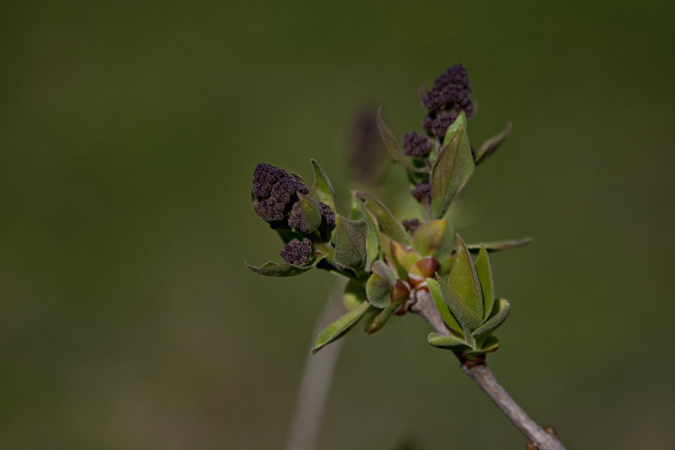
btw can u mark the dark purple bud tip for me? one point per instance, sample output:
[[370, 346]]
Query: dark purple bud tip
[[411, 225], [274, 188], [327, 214], [297, 253], [441, 124], [295, 218], [416, 145], [422, 192], [451, 91]]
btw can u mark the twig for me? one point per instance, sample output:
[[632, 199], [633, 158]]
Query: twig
[[479, 372], [316, 380]]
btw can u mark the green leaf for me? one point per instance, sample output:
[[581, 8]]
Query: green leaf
[[310, 212], [434, 238], [450, 172], [379, 318], [466, 316], [452, 129], [392, 145], [359, 212], [504, 308], [496, 246], [355, 294], [323, 189], [340, 327], [464, 279], [272, 269], [449, 342], [385, 219], [350, 244], [380, 284], [490, 345], [404, 256], [484, 271], [492, 144], [442, 306]]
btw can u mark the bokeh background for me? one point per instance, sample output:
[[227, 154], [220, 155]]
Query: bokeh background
[[129, 132]]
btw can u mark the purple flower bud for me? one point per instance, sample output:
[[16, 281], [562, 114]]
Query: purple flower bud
[[274, 189], [441, 123], [411, 225], [422, 192], [296, 252], [416, 145], [327, 214]]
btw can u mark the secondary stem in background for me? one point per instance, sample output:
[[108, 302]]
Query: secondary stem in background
[[316, 379]]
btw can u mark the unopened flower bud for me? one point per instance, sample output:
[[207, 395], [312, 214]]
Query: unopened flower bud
[[296, 252], [411, 225], [295, 218], [422, 192], [327, 214], [416, 145], [274, 190], [441, 124]]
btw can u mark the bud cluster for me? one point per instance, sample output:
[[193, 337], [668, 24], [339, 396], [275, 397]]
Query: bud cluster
[[296, 252], [446, 99], [416, 145], [327, 214], [274, 189]]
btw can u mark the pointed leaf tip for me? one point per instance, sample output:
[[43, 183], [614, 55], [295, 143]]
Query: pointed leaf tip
[[492, 144], [340, 327], [323, 189], [391, 144], [272, 269]]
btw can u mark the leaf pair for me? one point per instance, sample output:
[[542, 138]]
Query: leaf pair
[[467, 303]]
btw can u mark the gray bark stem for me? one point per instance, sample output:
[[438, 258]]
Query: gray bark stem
[[481, 375]]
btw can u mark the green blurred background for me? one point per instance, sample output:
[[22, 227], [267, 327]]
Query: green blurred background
[[129, 132]]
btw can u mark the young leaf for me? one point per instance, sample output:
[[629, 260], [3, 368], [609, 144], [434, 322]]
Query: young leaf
[[323, 189], [484, 271], [504, 308], [452, 129], [392, 145], [464, 279], [354, 295], [449, 342], [359, 212], [491, 344], [350, 243], [272, 269], [466, 316], [310, 212], [434, 238], [378, 319], [385, 219], [446, 314], [340, 327], [450, 172], [496, 246], [403, 255], [380, 284], [492, 144]]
